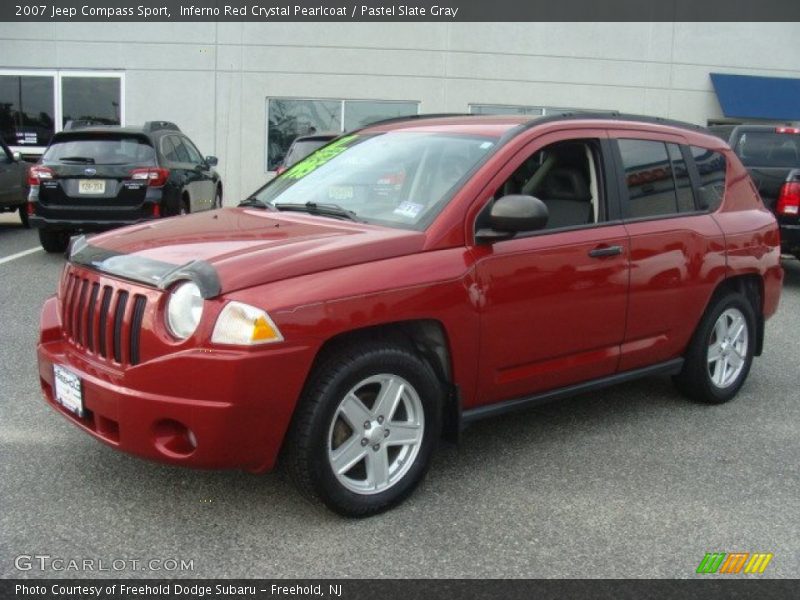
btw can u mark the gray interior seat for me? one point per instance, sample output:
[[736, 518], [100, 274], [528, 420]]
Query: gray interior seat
[[568, 199]]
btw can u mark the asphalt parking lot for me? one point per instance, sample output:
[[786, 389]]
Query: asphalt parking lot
[[634, 481]]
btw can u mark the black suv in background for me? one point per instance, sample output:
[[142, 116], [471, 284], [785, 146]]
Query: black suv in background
[[771, 155], [13, 187], [97, 178]]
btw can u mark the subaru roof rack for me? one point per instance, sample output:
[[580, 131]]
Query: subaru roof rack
[[151, 126]]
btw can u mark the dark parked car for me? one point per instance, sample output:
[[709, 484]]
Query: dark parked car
[[13, 183], [97, 178], [407, 280], [302, 146], [772, 157]]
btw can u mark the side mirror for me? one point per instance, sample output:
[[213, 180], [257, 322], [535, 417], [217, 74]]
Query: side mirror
[[512, 214], [212, 161], [16, 156]]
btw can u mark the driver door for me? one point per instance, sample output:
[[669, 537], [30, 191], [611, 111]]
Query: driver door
[[553, 301]]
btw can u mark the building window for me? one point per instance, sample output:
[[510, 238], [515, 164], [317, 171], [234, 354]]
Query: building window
[[288, 118], [27, 109], [36, 104]]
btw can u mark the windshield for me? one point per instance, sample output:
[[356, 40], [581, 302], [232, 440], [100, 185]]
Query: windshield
[[400, 179], [118, 150], [300, 149], [769, 149]]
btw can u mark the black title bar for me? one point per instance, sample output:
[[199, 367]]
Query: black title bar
[[403, 10]]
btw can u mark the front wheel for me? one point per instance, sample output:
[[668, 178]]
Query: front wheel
[[366, 428], [721, 351]]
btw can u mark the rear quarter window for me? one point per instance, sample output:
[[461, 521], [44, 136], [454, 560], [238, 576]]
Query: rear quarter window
[[711, 168]]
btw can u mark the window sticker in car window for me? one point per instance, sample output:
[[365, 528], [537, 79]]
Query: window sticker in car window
[[319, 158], [408, 209]]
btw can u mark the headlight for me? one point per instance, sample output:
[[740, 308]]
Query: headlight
[[184, 309], [242, 324]]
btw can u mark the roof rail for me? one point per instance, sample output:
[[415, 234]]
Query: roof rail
[[151, 126], [618, 116], [415, 118]]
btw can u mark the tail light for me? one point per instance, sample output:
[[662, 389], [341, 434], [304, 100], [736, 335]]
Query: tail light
[[789, 199], [154, 176], [37, 173], [156, 210], [31, 209], [794, 130]]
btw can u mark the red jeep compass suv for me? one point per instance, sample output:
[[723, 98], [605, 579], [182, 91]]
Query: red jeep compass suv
[[406, 280]]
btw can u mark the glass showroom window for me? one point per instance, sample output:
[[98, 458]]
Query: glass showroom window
[[36, 104], [290, 117], [89, 98], [27, 109]]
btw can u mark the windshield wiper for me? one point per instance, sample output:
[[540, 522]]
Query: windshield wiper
[[319, 208], [81, 159], [253, 201]]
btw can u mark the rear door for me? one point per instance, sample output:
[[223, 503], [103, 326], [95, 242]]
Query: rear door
[[676, 247], [553, 302], [198, 174]]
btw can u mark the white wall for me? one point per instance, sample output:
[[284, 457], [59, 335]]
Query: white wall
[[213, 78]]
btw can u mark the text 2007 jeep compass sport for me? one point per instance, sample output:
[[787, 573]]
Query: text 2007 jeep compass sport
[[406, 280]]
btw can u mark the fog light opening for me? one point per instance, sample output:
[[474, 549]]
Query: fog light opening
[[174, 439]]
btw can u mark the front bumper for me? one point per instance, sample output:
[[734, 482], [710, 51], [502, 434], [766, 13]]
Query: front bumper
[[237, 404]]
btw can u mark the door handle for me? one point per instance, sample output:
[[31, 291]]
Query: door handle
[[602, 251]]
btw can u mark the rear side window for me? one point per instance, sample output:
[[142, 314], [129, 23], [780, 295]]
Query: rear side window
[[768, 149], [108, 150], [711, 169], [648, 173]]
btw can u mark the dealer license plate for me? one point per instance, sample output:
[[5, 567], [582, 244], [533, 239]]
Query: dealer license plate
[[68, 390], [91, 186]]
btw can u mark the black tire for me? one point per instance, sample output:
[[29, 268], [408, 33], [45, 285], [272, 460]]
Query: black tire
[[55, 242], [309, 447], [23, 216], [185, 207], [696, 379], [218, 199]]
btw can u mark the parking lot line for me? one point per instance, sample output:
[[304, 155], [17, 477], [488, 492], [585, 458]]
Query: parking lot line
[[18, 255]]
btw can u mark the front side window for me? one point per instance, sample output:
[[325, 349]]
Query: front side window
[[289, 118], [399, 179], [27, 109], [565, 176]]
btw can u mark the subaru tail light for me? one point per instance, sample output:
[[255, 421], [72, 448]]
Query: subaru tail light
[[155, 177]]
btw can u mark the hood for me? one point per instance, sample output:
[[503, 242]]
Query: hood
[[236, 248]]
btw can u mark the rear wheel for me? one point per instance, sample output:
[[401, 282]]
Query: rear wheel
[[55, 242], [23, 216], [365, 431], [721, 351]]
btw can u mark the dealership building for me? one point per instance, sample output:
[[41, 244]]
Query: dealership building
[[243, 91]]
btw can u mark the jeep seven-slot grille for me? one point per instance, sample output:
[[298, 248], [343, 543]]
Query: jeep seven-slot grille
[[103, 319]]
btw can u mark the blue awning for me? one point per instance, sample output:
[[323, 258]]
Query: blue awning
[[749, 97]]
